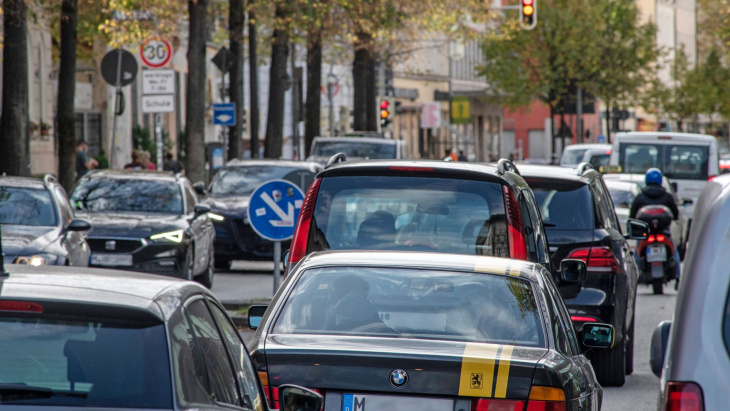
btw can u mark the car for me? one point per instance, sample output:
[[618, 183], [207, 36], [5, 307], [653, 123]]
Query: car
[[228, 196], [148, 221], [356, 147], [122, 340], [596, 155], [680, 227], [39, 226], [690, 352], [439, 206], [401, 330], [724, 163], [581, 223]]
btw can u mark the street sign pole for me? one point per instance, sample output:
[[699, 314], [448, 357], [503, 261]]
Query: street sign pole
[[158, 135], [118, 87], [277, 264]]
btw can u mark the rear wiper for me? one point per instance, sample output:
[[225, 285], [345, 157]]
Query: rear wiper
[[14, 392], [544, 224]]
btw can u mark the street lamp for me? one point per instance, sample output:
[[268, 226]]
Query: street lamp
[[331, 82]]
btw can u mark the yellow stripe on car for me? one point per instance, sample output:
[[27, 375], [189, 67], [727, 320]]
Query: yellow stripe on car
[[503, 372], [477, 370]]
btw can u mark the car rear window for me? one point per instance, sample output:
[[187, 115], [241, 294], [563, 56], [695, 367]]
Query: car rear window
[[406, 303], [677, 161], [26, 206], [564, 205], [573, 157], [56, 360], [354, 148], [243, 180], [410, 214]]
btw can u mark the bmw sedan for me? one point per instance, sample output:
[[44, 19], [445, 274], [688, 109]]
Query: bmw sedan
[[147, 221], [425, 331]]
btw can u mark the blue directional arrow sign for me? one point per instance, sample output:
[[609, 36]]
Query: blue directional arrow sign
[[274, 208], [224, 114]]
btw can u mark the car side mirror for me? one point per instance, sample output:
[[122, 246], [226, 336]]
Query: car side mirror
[[294, 397], [573, 271], [255, 315], [201, 209], [636, 229], [659, 341], [199, 188], [596, 335], [687, 201], [79, 225]]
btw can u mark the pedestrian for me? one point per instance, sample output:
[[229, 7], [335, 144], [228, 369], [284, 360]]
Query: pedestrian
[[135, 164], [450, 155], [144, 159], [171, 164], [462, 157], [84, 163]]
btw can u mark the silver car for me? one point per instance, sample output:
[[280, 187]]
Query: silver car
[[696, 371]]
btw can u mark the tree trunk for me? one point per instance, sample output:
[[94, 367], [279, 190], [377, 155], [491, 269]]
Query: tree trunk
[[235, 133], [195, 100], [314, 86], [277, 86], [365, 100], [66, 131], [253, 81], [15, 152]]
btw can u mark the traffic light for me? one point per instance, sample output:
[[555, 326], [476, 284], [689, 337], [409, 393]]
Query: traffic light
[[384, 113], [528, 14]]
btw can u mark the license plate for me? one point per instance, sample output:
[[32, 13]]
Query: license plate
[[656, 253], [112, 260], [369, 402]]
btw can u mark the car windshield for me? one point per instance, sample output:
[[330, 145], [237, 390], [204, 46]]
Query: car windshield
[[128, 195], [572, 157], [26, 206], [622, 197], [599, 160], [564, 205], [677, 161], [412, 214], [407, 303], [58, 360], [354, 148], [244, 180]]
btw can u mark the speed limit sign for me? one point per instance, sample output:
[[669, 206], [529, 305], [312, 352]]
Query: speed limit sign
[[155, 52]]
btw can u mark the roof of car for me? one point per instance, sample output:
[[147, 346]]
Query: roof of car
[[422, 260], [643, 135], [94, 286], [357, 139], [273, 162], [16, 181], [588, 147], [556, 172], [416, 164], [622, 185], [123, 173]]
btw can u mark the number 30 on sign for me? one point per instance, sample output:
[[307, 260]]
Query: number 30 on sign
[[155, 52]]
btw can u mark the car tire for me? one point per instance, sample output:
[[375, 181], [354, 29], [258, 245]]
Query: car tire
[[222, 264], [657, 286], [206, 279], [610, 365], [630, 349]]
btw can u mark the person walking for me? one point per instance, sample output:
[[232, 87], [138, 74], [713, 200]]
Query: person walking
[[171, 164], [135, 164], [145, 160], [84, 163]]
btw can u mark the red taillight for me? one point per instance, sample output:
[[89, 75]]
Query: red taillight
[[597, 259], [301, 233], [409, 168], [515, 230], [651, 238], [545, 406], [490, 404], [546, 399], [660, 238], [683, 396], [21, 306], [580, 319], [710, 178], [608, 152]]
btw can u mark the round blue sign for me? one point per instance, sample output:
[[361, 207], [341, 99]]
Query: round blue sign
[[274, 208]]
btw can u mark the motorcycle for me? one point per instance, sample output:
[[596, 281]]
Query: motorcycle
[[655, 253]]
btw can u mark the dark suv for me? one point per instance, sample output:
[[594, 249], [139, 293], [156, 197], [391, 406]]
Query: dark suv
[[437, 206], [581, 223]]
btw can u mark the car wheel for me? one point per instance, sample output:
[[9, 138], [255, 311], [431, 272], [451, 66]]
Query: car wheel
[[657, 286], [206, 279], [610, 365], [630, 349], [187, 270]]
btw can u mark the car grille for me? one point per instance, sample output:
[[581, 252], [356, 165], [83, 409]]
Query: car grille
[[120, 246], [244, 234]]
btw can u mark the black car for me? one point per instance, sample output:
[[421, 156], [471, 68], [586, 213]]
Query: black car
[[122, 340], [414, 331], [38, 224], [147, 221], [228, 197], [581, 223], [437, 206]]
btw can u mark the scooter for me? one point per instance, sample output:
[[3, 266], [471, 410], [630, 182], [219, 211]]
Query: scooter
[[655, 261]]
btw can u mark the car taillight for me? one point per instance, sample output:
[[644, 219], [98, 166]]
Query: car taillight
[[490, 404], [546, 399], [515, 229], [301, 233], [272, 393], [683, 396], [20, 306], [581, 319], [710, 178], [597, 258]]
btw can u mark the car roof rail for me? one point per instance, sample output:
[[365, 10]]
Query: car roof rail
[[583, 167], [504, 165], [337, 158], [48, 179]]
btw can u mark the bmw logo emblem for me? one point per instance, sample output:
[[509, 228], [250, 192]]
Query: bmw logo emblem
[[398, 378]]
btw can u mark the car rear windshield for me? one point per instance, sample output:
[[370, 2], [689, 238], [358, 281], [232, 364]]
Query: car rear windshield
[[244, 180], [54, 360], [564, 205], [572, 157], [128, 195], [410, 214], [677, 161], [406, 303], [354, 148], [621, 197], [26, 206]]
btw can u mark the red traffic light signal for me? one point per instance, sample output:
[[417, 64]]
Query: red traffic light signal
[[528, 14], [384, 113]]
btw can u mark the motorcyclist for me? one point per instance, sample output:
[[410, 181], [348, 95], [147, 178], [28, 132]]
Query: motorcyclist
[[654, 194]]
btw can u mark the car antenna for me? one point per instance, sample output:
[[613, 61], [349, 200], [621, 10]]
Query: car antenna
[[3, 273]]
